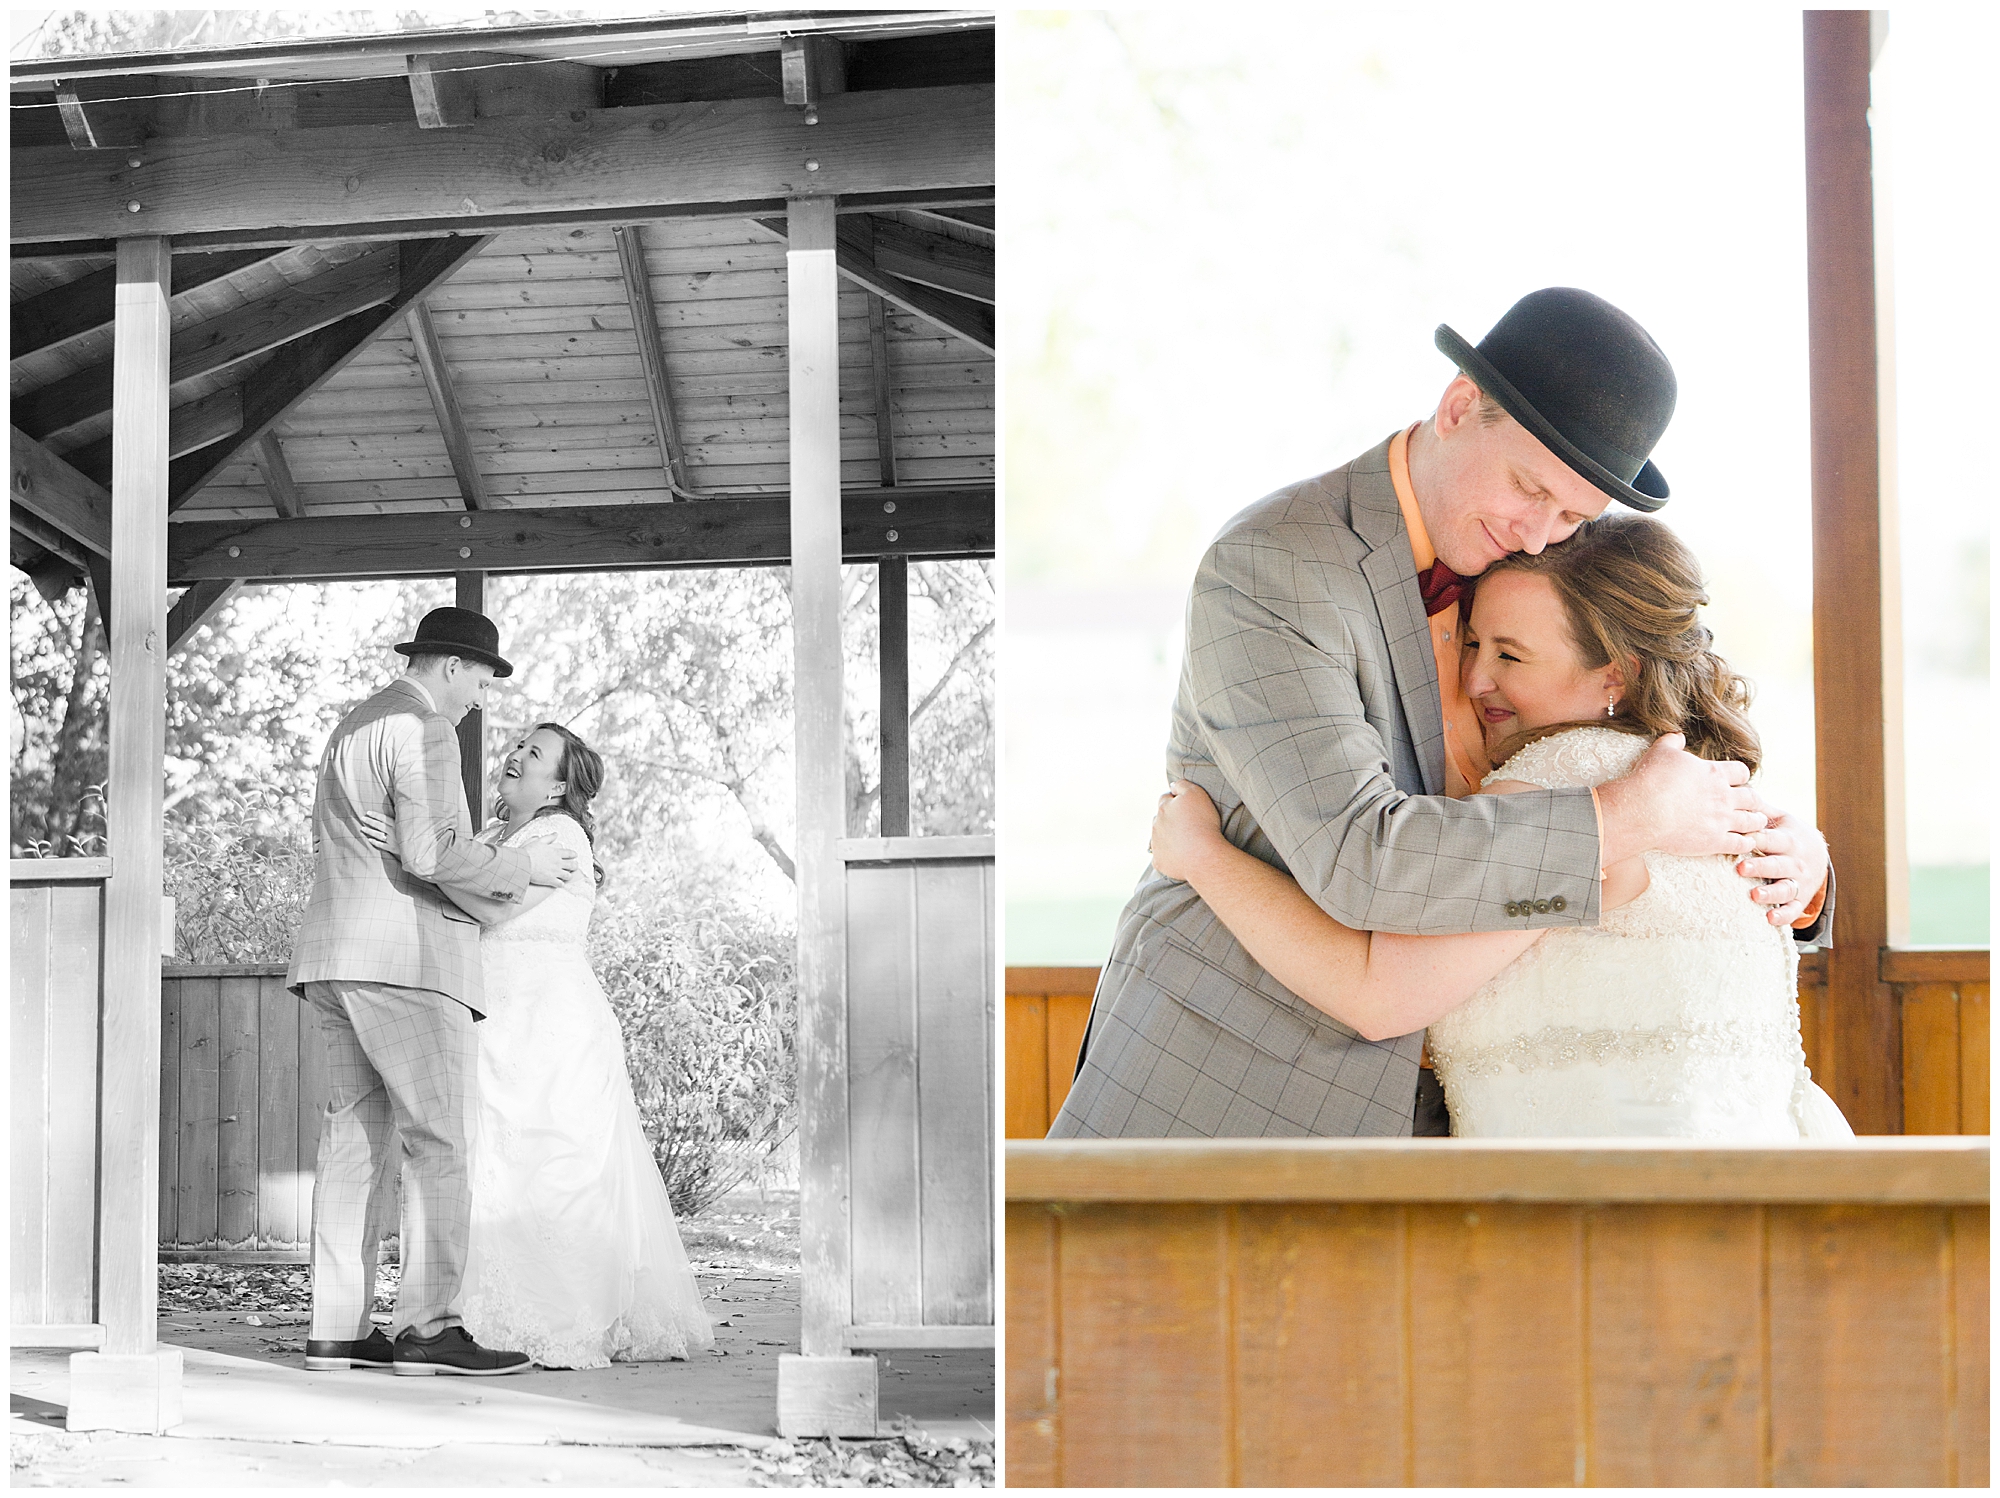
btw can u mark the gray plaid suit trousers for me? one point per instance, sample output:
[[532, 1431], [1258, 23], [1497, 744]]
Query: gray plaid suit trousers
[[1308, 710]]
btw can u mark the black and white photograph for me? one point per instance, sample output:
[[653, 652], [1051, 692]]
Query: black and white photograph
[[504, 665]]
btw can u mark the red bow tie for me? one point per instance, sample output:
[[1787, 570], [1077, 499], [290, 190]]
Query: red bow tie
[[1442, 587]]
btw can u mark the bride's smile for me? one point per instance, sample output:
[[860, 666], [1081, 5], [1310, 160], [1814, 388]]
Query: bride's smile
[[1520, 668], [528, 776]]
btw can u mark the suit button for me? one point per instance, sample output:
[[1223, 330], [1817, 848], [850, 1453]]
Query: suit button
[[1559, 903], [1513, 907], [1541, 907]]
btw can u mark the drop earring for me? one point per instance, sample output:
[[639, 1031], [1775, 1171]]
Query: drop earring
[[1611, 705]]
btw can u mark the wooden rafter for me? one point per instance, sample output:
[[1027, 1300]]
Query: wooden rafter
[[652, 352], [954, 522], [934, 260], [204, 348], [303, 366], [85, 304], [444, 402], [74, 504], [191, 426], [441, 90], [812, 67], [494, 172], [279, 484], [449, 89], [972, 321], [885, 418], [196, 606]]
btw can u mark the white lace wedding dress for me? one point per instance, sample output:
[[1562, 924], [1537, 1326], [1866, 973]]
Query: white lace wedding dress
[[1676, 1016], [574, 1258]]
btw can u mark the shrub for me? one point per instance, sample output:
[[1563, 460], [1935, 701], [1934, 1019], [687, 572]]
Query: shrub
[[240, 870], [706, 995]]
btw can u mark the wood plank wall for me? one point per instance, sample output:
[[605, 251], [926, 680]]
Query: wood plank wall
[[920, 1090], [242, 1085], [55, 967], [1944, 999], [1476, 1342]]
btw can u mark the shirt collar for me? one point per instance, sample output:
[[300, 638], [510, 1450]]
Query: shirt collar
[[422, 690], [1406, 496]]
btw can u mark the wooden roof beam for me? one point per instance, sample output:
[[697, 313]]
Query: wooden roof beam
[[55, 493], [85, 304], [652, 353], [811, 68], [197, 606], [878, 363], [191, 426], [491, 173], [855, 254], [279, 484], [444, 403], [130, 112], [305, 364], [361, 283], [450, 89], [933, 260], [953, 522]]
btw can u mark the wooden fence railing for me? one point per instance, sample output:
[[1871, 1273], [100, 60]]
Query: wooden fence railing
[[242, 1086], [55, 974], [1943, 998], [1194, 1313]]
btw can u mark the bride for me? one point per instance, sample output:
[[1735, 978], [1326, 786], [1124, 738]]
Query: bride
[[574, 1257], [1677, 1015]]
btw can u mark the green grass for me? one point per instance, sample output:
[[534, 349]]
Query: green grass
[[1951, 905]]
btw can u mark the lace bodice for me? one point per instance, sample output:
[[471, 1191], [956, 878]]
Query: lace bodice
[[1677, 1014], [564, 917]]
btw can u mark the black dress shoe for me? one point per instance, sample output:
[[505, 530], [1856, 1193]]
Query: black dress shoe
[[453, 1351], [372, 1351]]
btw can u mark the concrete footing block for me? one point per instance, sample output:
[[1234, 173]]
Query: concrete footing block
[[138, 1392], [826, 1396]]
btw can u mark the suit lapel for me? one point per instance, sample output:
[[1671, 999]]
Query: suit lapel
[[1391, 571]]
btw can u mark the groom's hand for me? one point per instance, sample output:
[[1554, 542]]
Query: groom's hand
[[1678, 803], [1790, 865], [549, 864]]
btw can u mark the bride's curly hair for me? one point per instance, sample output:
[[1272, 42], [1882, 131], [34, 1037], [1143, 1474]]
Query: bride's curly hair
[[581, 770], [1631, 592]]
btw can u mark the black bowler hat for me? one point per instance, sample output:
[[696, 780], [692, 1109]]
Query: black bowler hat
[[1586, 379], [459, 632]]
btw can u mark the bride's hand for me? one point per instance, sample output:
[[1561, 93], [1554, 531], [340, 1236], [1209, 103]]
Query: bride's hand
[[1185, 827], [376, 831]]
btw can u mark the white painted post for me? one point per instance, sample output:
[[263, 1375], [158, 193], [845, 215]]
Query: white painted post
[[824, 1391], [133, 1384]]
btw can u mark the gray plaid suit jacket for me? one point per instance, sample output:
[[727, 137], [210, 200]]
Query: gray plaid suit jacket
[[375, 917], [1308, 709]]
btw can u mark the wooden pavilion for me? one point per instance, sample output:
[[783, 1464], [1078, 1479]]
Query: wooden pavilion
[[708, 290], [1364, 1312]]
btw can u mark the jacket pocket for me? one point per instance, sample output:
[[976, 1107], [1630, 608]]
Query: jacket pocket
[[1226, 988]]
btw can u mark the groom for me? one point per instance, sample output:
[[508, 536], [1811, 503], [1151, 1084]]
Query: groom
[[1320, 708], [392, 967]]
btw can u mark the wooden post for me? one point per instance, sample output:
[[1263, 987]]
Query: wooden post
[[892, 587], [821, 1392], [472, 727], [1848, 663], [133, 1385]]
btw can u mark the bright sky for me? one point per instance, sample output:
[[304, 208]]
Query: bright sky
[[1228, 247]]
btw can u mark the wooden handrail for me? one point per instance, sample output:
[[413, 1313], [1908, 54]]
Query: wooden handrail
[[1935, 965], [1887, 1169], [57, 870]]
